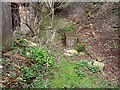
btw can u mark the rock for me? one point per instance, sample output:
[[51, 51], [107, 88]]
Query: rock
[[1, 66], [100, 65], [70, 52], [100, 59], [27, 18], [71, 42], [8, 54]]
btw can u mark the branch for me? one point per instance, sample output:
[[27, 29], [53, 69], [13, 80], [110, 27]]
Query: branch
[[32, 31]]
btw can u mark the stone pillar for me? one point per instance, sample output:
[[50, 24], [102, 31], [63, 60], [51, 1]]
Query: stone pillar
[[6, 34], [0, 24], [71, 42], [0, 42]]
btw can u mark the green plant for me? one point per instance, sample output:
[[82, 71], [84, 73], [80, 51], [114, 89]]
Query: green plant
[[83, 63], [89, 47], [80, 47], [83, 66], [93, 69], [22, 41], [28, 73], [40, 56], [69, 28], [86, 40], [81, 74], [39, 64]]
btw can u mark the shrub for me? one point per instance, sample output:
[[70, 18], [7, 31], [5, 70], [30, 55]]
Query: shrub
[[80, 47], [69, 28], [39, 63]]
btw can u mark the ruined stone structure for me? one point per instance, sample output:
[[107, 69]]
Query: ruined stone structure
[[0, 24], [17, 16], [6, 34]]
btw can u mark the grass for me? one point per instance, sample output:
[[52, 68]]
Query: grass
[[66, 77]]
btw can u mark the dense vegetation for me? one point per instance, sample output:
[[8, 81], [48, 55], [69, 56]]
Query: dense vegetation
[[38, 69]]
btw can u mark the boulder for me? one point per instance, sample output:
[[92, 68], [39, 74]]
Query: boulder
[[100, 65], [71, 42], [70, 52]]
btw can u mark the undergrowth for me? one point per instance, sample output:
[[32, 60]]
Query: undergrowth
[[36, 68], [29, 64]]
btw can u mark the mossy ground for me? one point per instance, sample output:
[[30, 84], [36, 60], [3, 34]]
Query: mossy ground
[[66, 77]]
